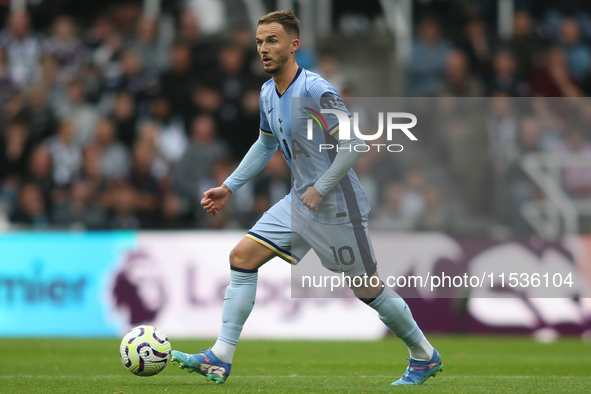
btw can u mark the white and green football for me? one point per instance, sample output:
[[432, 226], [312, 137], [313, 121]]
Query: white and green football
[[145, 350]]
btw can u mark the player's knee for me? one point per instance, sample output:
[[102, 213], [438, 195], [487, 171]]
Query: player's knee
[[369, 289], [365, 294], [237, 258], [241, 258]]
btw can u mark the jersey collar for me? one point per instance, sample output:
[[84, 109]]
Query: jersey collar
[[291, 83]]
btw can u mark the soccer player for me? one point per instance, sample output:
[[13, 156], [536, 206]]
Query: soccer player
[[326, 210]]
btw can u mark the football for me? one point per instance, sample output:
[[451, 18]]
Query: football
[[145, 350]]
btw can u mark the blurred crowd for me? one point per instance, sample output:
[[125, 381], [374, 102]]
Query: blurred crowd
[[537, 80], [115, 125], [481, 143], [111, 127]]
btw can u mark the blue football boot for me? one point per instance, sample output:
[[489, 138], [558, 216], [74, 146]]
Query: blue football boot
[[206, 363], [419, 371]]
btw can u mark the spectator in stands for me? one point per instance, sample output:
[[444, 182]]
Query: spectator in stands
[[91, 173], [435, 217], [124, 118], [578, 54], [404, 204], [457, 80], [233, 77], [56, 91], [449, 123], [94, 86], [174, 213], [248, 119], [552, 115], [585, 116], [80, 210], [328, 67], [504, 76], [104, 43], [207, 98], [146, 181], [203, 53], [243, 38], [520, 187], [7, 84], [66, 49], [463, 141], [576, 180], [530, 133], [149, 46], [31, 209], [66, 153], [478, 45], [232, 66], [41, 117], [412, 203], [147, 136], [196, 165], [502, 125], [427, 60], [171, 139], [13, 111], [275, 179], [386, 167], [585, 86], [135, 79], [124, 206], [39, 171], [525, 45], [365, 168], [79, 111], [23, 48], [390, 216], [554, 79], [179, 80], [124, 15], [114, 157], [15, 149]]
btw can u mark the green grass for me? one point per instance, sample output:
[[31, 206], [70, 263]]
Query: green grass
[[471, 365]]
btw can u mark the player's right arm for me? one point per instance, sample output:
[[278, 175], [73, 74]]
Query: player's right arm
[[253, 162]]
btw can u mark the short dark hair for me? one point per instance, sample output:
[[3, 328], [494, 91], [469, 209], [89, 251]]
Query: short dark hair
[[286, 18]]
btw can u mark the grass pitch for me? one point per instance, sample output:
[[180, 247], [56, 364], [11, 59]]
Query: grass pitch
[[471, 365]]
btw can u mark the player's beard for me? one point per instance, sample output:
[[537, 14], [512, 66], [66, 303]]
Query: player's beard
[[279, 64]]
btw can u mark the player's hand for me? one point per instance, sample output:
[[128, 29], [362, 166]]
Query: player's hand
[[312, 199], [214, 199]]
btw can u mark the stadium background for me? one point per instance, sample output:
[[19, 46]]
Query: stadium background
[[117, 115]]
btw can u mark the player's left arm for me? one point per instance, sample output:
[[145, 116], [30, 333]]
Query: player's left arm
[[345, 159]]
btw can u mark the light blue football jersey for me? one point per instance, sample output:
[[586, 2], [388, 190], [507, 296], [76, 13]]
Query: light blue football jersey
[[285, 116]]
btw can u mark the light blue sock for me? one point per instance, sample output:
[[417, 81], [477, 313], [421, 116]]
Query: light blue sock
[[238, 304], [395, 314]]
